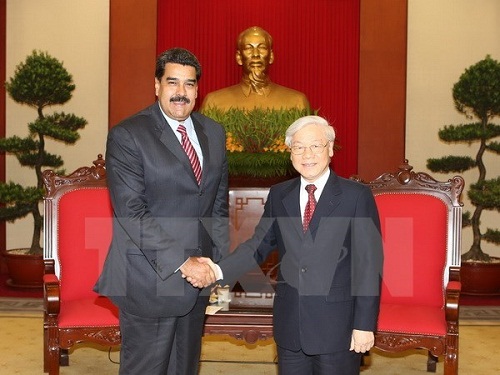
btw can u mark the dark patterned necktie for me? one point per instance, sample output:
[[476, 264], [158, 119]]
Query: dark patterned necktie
[[310, 206], [191, 153]]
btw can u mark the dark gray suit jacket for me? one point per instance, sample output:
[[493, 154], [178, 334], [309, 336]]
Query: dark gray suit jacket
[[328, 280], [161, 214]]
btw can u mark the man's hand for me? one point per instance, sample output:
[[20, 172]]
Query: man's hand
[[362, 341], [213, 266], [197, 272]]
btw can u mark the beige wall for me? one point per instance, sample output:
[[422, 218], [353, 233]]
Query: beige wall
[[77, 33], [444, 38]]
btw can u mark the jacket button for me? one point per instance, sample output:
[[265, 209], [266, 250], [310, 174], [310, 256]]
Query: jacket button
[[303, 269]]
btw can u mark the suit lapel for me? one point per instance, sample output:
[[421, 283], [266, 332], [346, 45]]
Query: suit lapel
[[169, 139], [329, 200], [291, 202]]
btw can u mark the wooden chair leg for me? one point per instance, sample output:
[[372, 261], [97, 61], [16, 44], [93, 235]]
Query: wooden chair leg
[[431, 362], [64, 357]]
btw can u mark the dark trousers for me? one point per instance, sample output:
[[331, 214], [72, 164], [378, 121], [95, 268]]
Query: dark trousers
[[162, 346], [298, 363]]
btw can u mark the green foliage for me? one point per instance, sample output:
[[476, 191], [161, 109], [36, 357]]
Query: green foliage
[[59, 126], [449, 164], [39, 81], [477, 92], [476, 95], [17, 200], [494, 147], [255, 139], [265, 164], [486, 194], [492, 236], [466, 219], [468, 132]]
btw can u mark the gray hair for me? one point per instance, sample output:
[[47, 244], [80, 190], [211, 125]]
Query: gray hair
[[309, 120]]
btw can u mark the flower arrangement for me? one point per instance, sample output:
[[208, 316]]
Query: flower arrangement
[[255, 139]]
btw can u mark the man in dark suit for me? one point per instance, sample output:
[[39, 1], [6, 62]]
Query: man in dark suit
[[327, 232], [168, 187]]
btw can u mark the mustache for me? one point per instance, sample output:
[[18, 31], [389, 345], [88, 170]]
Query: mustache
[[180, 98]]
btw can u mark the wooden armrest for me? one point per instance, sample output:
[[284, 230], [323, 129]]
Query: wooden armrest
[[48, 266], [51, 294], [452, 296], [454, 274]]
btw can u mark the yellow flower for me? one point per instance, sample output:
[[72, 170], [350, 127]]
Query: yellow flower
[[277, 146], [231, 144]]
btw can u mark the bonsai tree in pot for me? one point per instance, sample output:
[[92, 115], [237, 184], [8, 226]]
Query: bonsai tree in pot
[[40, 81], [477, 96]]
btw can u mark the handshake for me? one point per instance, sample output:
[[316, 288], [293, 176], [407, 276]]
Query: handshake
[[200, 272]]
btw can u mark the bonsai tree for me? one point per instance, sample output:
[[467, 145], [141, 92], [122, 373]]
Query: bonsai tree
[[477, 96], [39, 82]]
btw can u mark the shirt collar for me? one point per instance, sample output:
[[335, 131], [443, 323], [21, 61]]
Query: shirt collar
[[319, 183]]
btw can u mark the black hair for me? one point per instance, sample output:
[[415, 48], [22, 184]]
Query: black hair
[[177, 56]]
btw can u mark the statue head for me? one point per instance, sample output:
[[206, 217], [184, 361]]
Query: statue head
[[254, 52]]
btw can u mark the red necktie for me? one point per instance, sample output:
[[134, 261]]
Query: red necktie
[[191, 153], [310, 206]]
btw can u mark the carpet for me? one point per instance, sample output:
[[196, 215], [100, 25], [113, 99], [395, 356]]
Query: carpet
[[21, 353], [22, 307]]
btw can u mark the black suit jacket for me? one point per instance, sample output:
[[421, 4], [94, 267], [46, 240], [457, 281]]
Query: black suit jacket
[[161, 214], [328, 281]]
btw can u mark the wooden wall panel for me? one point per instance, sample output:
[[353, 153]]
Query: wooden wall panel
[[132, 57], [382, 91]]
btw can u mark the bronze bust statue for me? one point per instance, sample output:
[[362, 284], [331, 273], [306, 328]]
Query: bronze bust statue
[[254, 53]]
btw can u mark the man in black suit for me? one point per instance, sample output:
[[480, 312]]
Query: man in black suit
[[168, 187], [327, 232]]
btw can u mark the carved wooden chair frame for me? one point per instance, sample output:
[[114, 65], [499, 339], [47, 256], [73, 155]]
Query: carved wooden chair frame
[[405, 181], [57, 341]]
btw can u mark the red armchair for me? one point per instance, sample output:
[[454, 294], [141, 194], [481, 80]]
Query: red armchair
[[421, 227], [77, 232]]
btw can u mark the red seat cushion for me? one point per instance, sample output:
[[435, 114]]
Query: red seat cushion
[[426, 320], [88, 312]]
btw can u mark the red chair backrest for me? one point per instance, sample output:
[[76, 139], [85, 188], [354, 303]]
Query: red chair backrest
[[414, 230], [84, 234]]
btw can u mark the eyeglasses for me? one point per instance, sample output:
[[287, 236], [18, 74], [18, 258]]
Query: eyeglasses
[[315, 149]]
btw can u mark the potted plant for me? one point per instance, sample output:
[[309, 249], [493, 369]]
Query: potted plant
[[255, 141], [38, 82], [477, 96]]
